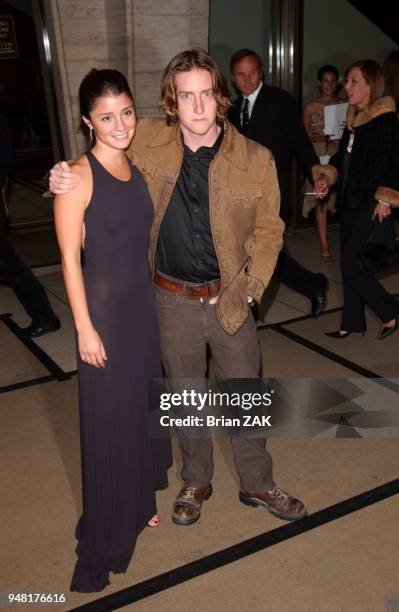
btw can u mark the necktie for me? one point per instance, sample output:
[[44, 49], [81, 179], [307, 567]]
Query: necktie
[[245, 114]]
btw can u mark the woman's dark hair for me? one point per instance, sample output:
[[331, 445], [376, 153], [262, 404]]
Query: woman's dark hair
[[391, 74], [373, 76], [327, 68], [98, 83]]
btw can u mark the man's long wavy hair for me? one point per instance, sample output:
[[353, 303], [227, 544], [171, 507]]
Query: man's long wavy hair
[[184, 62]]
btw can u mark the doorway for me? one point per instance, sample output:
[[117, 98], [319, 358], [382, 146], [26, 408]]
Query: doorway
[[26, 105]]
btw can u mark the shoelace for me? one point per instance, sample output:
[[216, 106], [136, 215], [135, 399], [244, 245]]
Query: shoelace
[[189, 493], [277, 492]]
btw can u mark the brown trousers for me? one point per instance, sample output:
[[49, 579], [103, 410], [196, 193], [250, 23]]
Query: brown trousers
[[188, 327]]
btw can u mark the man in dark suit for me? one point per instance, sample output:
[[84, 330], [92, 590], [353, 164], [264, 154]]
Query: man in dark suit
[[13, 271], [269, 116]]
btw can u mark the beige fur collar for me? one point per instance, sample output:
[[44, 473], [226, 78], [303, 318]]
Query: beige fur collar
[[380, 107]]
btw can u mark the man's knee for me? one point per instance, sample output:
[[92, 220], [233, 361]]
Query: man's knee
[[239, 355]]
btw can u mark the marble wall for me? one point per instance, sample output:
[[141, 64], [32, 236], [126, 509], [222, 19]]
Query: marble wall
[[138, 37]]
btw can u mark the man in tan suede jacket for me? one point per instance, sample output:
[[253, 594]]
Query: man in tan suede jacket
[[213, 248], [244, 201]]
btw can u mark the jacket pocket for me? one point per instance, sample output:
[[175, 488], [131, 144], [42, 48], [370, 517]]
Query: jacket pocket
[[245, 195]]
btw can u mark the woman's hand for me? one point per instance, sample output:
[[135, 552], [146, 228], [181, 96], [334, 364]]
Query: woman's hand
[[382, 210], [91, 348], [321, 188]]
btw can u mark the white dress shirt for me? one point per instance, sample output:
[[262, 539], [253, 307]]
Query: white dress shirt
[[251, 100]]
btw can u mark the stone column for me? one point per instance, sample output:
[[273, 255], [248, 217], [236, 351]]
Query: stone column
[[137, 37], [162, 28]]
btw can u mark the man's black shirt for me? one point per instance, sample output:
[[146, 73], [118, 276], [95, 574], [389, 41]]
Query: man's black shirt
[[185, 248]]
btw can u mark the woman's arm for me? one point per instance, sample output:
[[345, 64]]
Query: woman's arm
[[384, 157], [389, 193], [306, 116], [311, 108], [69, 213]]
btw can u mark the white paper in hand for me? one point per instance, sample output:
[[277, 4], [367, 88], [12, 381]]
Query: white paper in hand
[[334, 119], [324, 159]]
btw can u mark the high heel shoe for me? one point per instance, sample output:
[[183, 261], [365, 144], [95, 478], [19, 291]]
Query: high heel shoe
[[388, 331], [341, 334], [338, 334], [325, 256]]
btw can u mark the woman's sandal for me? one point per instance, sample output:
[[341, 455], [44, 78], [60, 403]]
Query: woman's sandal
[[325, 256], [154, 522]]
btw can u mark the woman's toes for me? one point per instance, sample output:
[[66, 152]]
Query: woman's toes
[[154, 522]]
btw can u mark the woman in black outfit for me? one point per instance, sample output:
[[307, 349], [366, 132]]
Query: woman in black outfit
[[368, 166], [109, 214]]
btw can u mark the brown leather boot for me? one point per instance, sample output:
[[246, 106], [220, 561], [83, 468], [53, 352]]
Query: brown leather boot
[[187, 508], [278, 502]]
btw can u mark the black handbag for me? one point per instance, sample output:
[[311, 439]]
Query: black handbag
[[381, 250]]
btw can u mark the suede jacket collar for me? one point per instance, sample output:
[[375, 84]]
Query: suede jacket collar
[[230, 149]]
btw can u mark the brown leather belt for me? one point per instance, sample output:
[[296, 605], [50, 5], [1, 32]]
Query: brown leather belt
[[189, 290]]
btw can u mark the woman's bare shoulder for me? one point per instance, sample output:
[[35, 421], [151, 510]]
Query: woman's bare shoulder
[[81, 166], [318, 102], [312, 105], [81, 189]]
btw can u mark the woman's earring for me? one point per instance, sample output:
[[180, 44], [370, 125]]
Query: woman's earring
[[91, 136]]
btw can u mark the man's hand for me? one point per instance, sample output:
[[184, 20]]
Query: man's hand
[[382, 211], [321, 188], [62, 179]]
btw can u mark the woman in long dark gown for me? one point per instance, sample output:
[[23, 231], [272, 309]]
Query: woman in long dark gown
[[109, 215]]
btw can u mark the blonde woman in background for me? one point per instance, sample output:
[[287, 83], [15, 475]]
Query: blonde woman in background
[[368, 187]]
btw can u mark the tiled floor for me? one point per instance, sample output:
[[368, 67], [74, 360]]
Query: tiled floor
[[27, 204], [349, 564]]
